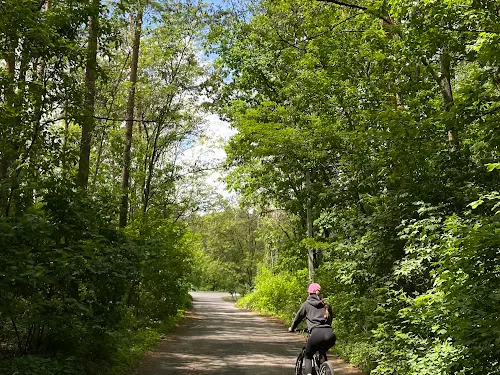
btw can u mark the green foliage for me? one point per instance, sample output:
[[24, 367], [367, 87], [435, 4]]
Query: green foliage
[[39, 366], [228, 250], [393, 113], [129, 343], [358, 351], [450, 326], [277, 294], [62, 268], [164, 263], [69, 280], [132, 343], [79, 295]]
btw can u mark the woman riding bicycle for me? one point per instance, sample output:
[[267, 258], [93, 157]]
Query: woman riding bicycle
[[319, 324]]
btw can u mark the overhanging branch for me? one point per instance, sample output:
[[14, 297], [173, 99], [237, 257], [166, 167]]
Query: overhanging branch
[[51, 121], [355, 6], [345, 4]]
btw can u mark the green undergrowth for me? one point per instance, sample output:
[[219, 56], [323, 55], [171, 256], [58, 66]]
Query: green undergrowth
[[130, 343], [280, 295], [356, 351]]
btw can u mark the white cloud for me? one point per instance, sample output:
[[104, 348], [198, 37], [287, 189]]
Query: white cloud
[[209, 150], [219, 127]]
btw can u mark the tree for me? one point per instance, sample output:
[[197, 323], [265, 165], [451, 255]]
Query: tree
[[230, 247], [137, 27], [390, 107], [87, 119]]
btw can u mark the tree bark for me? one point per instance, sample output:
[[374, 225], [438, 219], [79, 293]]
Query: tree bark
[[447, 92], [40, 102], [109, 113], [310, 252], [444, 82], [150, 170], [130, 119], [7, 157], [88, 120]]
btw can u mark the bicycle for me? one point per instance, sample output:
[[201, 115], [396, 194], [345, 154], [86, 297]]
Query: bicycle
[[320, 363]]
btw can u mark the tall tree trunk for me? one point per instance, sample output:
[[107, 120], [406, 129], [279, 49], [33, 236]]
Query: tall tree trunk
[[109, 112], [88, 120], [310, 252], [38, 113], [8, 156], [444, 82], [447, 92], [150, 170], [41, 78], [130, 119]]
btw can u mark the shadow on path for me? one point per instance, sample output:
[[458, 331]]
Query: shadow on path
[[218, 338]]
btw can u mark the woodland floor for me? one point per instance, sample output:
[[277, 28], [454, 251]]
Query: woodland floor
[[218, 338]]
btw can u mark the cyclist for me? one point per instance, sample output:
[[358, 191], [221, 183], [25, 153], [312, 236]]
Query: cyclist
[[319, 324]]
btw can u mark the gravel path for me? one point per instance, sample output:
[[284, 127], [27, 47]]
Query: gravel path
[[218, 338]]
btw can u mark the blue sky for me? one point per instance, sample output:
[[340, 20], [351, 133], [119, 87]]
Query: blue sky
[[217, 131], [216, 2]]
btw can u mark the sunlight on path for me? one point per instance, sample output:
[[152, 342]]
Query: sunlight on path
[[216, 337]]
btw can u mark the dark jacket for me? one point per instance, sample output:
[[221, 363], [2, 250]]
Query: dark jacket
[[314, 312]]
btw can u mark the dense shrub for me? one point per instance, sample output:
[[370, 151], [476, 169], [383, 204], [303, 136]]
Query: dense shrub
[[34, 365], [451, 327], [76, 291], [279, 294], [436, 311]]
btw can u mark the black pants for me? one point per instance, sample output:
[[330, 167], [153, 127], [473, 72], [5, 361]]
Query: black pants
[[321, 339]]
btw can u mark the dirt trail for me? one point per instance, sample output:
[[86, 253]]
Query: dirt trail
[[218, 338]]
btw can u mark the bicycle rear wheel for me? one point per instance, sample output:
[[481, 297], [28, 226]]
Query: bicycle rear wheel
[[326, 369], [299, 364]]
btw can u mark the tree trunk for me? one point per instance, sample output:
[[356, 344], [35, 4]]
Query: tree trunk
[[310, 252], [150, 170], [88, 121], [7, 157], [444, 82], [39, 105], [109, 113], [130, 120], [446, 90]]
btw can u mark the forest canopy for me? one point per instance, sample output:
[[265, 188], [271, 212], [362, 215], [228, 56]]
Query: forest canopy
[[99, 103], [365, 157], [374, 125]]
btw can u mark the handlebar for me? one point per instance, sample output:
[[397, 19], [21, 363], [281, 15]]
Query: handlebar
[[302, 330]]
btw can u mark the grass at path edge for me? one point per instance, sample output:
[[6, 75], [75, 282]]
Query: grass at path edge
[[133, 344]]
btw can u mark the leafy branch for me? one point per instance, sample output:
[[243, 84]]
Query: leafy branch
[[360, 7]]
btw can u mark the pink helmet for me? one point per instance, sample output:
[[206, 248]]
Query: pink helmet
[[313, 288]]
